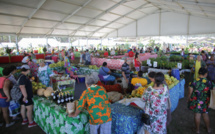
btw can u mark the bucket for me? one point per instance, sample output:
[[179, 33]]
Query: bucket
[[81, 79], [176, 73]]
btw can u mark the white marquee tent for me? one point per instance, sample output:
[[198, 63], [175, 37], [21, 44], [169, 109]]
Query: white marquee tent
[[106, 18]]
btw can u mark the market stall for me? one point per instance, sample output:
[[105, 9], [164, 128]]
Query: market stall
[[127, 119], [53, 118], [111, 63], [18, 58]]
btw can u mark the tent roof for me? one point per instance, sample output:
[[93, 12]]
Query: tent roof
[[88, 18]]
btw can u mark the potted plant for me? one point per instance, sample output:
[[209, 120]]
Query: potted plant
[[8, 51], [44, 50]]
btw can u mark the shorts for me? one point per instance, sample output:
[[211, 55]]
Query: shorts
[[3, 103], [124, 83], [30, 102]]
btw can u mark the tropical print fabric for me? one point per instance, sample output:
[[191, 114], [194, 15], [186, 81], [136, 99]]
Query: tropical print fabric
[[200, 98], [156, 107], [44, 74], [95, 100], [33, 68]]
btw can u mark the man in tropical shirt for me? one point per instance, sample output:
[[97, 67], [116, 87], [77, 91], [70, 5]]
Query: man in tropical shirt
[[95, 100]]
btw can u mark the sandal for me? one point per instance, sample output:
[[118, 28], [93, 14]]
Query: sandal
[[196, 131], [209, 131]]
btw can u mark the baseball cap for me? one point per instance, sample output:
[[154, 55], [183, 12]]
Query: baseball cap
[[25, 67]]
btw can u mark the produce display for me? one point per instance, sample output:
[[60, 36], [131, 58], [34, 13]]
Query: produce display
[[164, 62], [58, 64], [171, 81], [138, 92], [94, 67], [37, 86]]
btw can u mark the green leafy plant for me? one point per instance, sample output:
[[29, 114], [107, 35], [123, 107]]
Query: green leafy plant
[[8, 51]]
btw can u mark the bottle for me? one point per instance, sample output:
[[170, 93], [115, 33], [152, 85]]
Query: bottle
[[62, 98], [58, 100], [66, 97], [69, 98], [53, 95], [72, 98]]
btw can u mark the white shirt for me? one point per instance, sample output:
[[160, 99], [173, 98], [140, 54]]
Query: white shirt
[[112, 52], [97, 54], [25, 59]]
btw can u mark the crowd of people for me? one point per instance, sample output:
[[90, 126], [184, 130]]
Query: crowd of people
[[95, 98]]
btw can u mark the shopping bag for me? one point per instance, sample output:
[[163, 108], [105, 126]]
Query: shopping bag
[[14, 108], [212, 100]]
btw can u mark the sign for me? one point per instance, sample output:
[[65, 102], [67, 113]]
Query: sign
[[155, 64], [148, 62], [179, 65]]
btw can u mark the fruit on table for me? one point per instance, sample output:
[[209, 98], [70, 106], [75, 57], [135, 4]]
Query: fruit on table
[[40, 92], [138, 92], [47, 93], [36, 86], [32, 78], [171, 81], [59, 64], [50, 89]]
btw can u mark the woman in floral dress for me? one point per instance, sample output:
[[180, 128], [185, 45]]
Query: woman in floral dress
[[44, 73], [68, 66], [199, 98], [33, 68], [156, 106]]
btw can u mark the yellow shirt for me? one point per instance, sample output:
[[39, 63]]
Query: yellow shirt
[[197, 67], [142, 81]]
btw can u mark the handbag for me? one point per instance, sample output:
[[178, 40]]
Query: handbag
[[146, 119], [212, 100]]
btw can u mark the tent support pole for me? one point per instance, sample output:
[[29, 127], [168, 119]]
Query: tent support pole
[[160, 22], [188, 28], [17, 46]]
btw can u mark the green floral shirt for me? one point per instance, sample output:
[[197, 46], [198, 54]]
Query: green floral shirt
[[95, 100]]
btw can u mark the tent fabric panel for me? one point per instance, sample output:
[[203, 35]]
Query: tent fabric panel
[[9, 20], [173, 24], [128, 31], [148, 25], [40, 23]]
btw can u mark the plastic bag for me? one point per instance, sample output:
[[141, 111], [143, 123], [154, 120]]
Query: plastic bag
[[212, 100], [14, 108]]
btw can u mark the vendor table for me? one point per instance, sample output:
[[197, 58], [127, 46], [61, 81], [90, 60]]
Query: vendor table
[[176, 93], [111, 63], [86, 71], [53, 118], [18, 58], [143, 57], [127, 119], [118, 56], [165, 71]]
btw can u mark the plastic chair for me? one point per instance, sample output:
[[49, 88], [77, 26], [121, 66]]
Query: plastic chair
[[73, 76], [102, 79]]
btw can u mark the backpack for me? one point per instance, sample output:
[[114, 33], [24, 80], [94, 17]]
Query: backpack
[[15, 92]]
